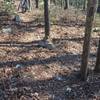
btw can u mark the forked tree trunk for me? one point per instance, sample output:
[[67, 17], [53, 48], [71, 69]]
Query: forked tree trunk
[[97, 67], [91, 9], [46, 18]]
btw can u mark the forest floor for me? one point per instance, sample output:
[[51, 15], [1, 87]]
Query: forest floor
[[30, 72]]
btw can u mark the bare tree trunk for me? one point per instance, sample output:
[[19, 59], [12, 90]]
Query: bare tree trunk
[[91, 9], [98, 9], [46, 18], [66, 4], [49, 2], [54, 1], [46, 42], [37, 3], [97, 67], [84, 5]]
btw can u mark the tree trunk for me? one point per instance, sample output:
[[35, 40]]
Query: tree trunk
[[91, 9], [84, 5], [46, 42], [54, 1], [66, 4], [49, 2], [37, 3], [98, 9], [46, 18], [97, 67]]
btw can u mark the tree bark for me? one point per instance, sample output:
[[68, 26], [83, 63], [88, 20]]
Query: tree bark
[[91, 9], [37, 3], [98, 9], [66, 4], [46, 19], [97, 67], [84, 5], [54, 1]]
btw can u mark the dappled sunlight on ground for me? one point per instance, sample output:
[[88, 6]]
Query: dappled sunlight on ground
[[35, 73]]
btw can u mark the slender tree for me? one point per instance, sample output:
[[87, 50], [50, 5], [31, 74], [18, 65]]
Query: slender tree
[[24, 5], [37, 3], [84, 5], [98, 9], [97, 67], [91, 9], [54, 1], [49, 2], [66, 4], [46, 18], [46, 42]]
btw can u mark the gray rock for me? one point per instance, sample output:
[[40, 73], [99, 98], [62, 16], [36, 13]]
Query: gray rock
[[17, 19], [18, 66], [46, 44], [59, 78], [7, 30]]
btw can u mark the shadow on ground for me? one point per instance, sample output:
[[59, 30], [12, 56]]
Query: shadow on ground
[[69, 87], [64, 59]]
